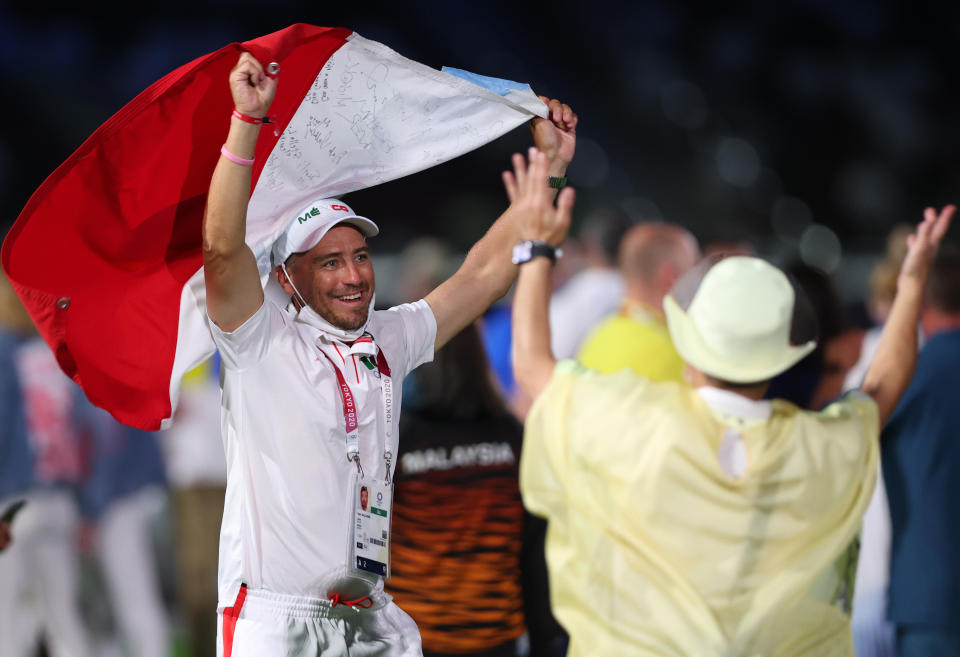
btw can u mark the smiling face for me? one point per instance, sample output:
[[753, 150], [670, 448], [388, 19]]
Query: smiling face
[[335, 277]]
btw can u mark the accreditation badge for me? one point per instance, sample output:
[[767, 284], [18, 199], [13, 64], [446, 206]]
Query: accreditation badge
[[372, 515]]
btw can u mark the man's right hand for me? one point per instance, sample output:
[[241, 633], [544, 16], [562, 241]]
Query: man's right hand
[[229, 266], [5, 536], [252, 89]]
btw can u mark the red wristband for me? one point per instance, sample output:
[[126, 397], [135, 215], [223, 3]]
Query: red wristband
[[250, 119]]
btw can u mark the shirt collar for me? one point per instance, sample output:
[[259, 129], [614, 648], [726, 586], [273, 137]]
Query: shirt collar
[[639, 311], [731, 405]]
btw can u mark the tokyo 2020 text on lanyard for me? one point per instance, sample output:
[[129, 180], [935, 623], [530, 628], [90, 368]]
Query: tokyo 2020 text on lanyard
[[350, 417], [368, 547]]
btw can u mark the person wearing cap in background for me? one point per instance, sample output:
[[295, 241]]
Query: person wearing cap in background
[[311, 397], [703, 520]]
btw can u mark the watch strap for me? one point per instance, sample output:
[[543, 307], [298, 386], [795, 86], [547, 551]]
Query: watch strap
[[527, 250]]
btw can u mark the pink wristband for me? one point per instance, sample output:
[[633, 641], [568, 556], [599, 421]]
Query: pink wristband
[[235, 159]]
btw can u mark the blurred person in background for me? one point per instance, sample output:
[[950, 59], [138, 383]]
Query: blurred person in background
[[705, 520], [459, 411], [873, 635], [595, 288], [16, 456], [728, 248], [196, 469], [424, 263], [816, 379], [40, 463], [458, 523], [495, 330], [122, 497], [921, 450], [589, 288], [883, 290], [652, 257]]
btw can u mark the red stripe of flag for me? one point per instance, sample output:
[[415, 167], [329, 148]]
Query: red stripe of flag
[[103, 249]]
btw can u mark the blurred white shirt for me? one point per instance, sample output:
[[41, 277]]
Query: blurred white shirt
[[192, 448], [578, 306], [872, 634]]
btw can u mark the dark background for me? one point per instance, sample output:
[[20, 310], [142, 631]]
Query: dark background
[[743, 121]]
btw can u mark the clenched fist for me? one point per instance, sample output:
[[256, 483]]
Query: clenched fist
[[252, 89]]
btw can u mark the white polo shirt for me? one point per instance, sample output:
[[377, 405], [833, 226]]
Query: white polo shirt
[[285, 517]]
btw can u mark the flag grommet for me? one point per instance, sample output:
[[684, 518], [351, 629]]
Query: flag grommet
[[63, 303]]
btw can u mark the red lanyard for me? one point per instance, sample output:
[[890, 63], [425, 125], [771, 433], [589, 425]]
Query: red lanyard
[[350, 420]]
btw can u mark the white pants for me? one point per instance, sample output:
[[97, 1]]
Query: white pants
[[38, 579], [265, 624], [126, 557]]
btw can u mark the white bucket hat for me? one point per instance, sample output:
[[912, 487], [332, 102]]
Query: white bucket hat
[[311, 223], [739, 319]]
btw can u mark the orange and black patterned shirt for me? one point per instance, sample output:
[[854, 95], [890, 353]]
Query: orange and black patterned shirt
[[457, 532]]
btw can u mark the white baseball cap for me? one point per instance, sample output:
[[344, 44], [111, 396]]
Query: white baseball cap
[[739, 319], [308, 226]]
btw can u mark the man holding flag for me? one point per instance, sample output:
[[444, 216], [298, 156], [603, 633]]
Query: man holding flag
[[311, 397]]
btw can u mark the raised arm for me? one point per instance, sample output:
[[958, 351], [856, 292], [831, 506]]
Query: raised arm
[[229, 267], [892, 366], [533, 362], [487, 272]]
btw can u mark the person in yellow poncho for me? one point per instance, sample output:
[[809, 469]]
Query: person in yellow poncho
[[703, 520]]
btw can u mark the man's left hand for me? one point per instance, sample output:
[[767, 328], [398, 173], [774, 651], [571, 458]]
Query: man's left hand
[[556, 135]]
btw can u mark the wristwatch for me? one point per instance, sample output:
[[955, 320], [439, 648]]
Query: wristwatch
[[527, 250]]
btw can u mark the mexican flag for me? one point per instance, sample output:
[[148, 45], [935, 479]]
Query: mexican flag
[[106, 255]]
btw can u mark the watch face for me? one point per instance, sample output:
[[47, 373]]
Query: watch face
[[522, 252]]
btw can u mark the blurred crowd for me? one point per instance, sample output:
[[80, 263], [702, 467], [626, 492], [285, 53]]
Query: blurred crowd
[[112, 532], [115, 550]]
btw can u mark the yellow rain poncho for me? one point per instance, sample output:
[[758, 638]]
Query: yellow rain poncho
[[653, 549]]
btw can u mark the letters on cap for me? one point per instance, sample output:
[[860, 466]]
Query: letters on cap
[[306, 215]]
